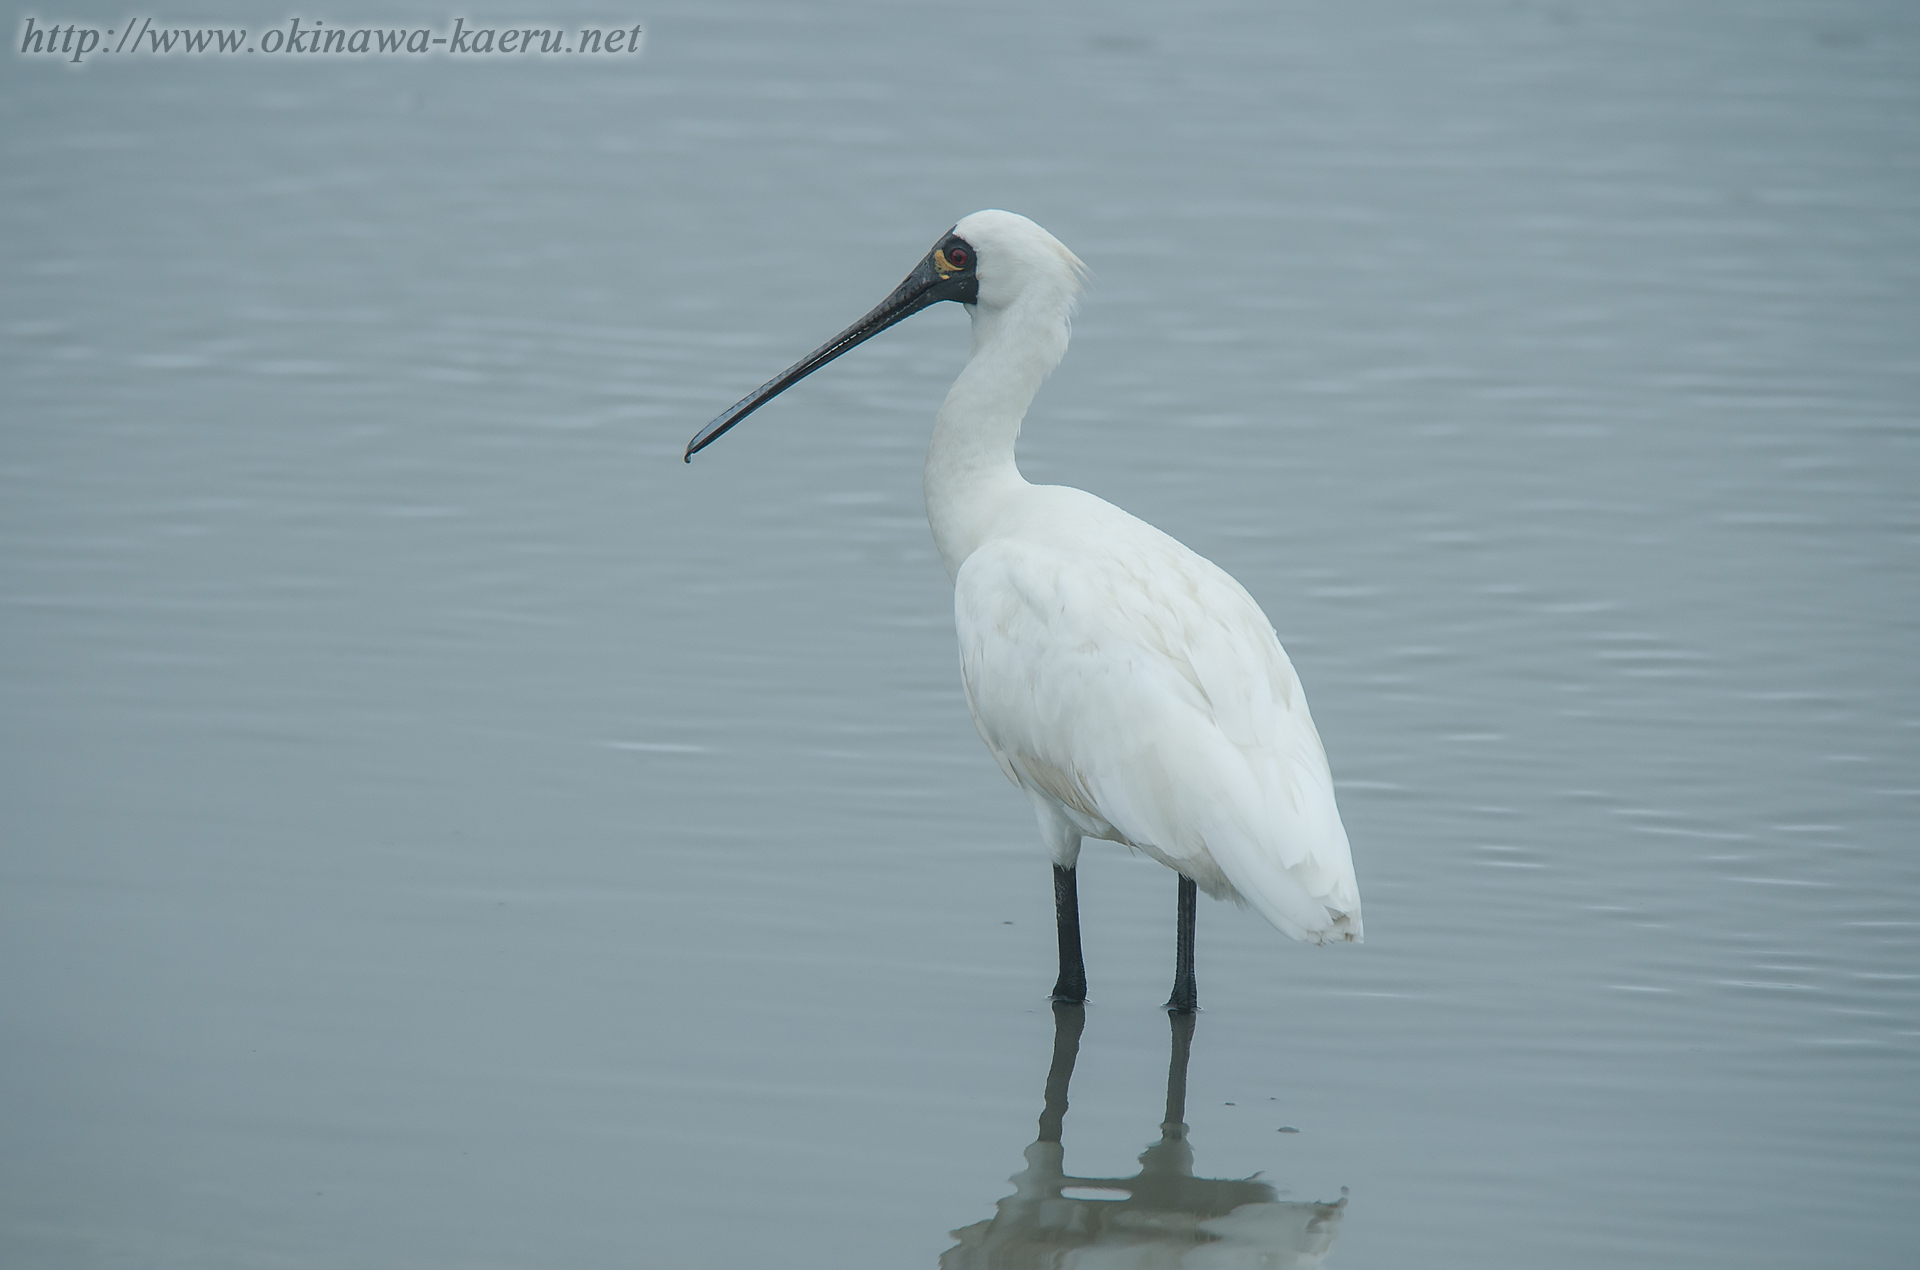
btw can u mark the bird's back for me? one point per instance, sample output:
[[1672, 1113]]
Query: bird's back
[[1137, 686]]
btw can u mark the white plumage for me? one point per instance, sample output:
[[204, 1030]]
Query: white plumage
[[1133, 689], [1137, 693]]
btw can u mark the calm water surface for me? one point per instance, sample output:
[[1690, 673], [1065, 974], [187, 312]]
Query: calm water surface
[[441, 829]]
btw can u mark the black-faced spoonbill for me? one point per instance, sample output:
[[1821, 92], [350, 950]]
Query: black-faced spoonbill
[[1131, 688]]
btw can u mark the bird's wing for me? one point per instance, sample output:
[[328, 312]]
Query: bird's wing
[[1140, 686]]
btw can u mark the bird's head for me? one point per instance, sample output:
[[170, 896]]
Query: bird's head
[[1015, 258], [989, 262]]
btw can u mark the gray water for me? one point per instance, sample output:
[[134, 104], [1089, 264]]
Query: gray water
[[441, 829]]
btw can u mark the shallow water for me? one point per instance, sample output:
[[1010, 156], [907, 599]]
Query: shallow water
[[441, 828]]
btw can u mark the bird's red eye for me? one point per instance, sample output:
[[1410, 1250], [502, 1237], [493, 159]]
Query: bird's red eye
[[958, 257]]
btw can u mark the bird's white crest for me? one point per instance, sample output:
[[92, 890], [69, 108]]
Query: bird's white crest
[[1131, 688]]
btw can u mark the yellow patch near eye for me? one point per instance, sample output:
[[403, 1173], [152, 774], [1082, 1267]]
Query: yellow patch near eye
[[941, 263]]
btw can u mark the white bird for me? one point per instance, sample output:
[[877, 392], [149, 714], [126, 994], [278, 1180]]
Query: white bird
[[1131, 688]]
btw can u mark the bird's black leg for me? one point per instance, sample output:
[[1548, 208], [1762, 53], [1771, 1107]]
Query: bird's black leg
[[1186, 997], [1071, 987]]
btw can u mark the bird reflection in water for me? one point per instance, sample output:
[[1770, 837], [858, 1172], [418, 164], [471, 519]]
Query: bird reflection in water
[[1162, 1216]]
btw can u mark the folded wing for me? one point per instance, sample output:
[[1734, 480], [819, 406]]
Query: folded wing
[[1139, 686]]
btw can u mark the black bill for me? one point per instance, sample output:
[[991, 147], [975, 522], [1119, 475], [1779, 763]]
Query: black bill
[[946, 274]]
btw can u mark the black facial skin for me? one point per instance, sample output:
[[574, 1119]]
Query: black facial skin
[[947, 273]]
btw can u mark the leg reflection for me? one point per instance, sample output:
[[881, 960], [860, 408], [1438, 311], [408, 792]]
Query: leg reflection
[[1160, 1213], [1068, 1022], [1177, 1071]]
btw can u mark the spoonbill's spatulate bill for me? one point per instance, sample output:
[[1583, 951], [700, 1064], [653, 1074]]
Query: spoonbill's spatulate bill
[[1132, 689]]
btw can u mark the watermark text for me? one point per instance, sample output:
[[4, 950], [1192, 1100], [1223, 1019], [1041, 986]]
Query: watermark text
[[77, 42]]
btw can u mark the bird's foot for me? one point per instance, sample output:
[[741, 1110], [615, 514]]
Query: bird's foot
[[1183, 1001], [1069, 992]]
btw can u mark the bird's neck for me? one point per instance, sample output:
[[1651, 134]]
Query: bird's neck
[[971, 477]]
